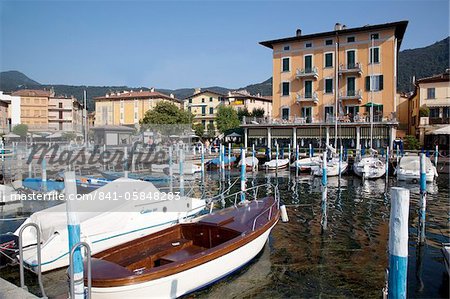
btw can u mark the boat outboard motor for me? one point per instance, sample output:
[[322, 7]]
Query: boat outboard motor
[[9, 245]]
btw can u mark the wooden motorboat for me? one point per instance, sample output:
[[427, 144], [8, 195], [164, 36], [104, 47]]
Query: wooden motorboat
[[274, 164], [187, 256]]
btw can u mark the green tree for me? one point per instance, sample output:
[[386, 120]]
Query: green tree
[[411, 143], [166, 113], [199, 129], [258, 112], [424, 111], [243, 112], [227, 118], [20, 130], [211, 132]]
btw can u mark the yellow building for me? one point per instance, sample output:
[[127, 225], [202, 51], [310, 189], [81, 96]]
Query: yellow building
[[128, 107], [434, 94], [243, 99], [34, 108], [336, 75], [203, 104]]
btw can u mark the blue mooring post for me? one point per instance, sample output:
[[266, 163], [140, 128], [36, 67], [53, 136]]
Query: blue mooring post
[[423, 198], [340, 162], [73, 228], [276, 161], [229, 155], [387, 164], [125, 163], [289, 152], [310, 150], [253, 158], [242, 175], [324, 192], [171, 168], [223, 157], [203, 159], [181, 165], [436, 156], [398, 243], [296, 160]]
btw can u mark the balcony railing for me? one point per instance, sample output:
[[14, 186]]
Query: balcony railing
[[295, 120], [439, 120], [350, 68], [351, 95], [307, 97], [310, 72]]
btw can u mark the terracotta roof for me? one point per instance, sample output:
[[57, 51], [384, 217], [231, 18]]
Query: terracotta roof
[[248, 96], [400, 28], [205, 91], [31, 93], [445, 77], [136, 94]]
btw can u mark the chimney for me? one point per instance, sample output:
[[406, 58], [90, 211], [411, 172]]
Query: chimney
[[337, 26], [258, 95], [344, 27], [172, 96], [298, 32], [197, 90], [152, 89]]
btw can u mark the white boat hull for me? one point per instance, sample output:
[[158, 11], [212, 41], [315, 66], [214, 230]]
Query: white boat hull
[[413, 177], [188, 168], [332, 169], [273, 164], [409, 169], [370, 168], [185, 282]]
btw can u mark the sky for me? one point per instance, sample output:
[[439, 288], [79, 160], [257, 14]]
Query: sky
[[172, 44]]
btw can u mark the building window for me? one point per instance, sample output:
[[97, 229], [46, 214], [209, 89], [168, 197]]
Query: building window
[[350, 39], [308, 89], [285, 89], [434, 112], [329, 113], [308, 63], [374, 83], [135, 104], [121, 104], [203, 123], [203, 100], [328, 59], [328, 42], [431, 93], [210, 99], [121, 116], [329, 85], [211, 110], [135, 115], [286, 48], [374, 36], [285, 67], [374, 55], [308, 45], [285, 113], [190, 101], [203, 110]]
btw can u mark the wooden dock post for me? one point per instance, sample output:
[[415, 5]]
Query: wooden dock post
[[436, 156], [398, 243]]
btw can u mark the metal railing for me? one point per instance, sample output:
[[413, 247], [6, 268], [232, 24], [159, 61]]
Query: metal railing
[[308, 96], [351, 94], [350, 67], [38, 252], [269, 209], [89, 268], [307, 72]]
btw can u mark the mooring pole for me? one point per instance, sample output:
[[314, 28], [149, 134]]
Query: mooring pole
[[436, 156], [170, 168], [229, 155], [253, 158], [242, 175], [181, 165], [296, 160], [125, 164], [310, 150], [289, 152], [324, 191], [30, 166], [340, 162], [44, 174], [387, 165], [398, 243], [276, 161], [203, 159], [73, 228], [423, 198]]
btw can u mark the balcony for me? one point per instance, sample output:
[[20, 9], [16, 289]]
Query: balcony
[[307, 73], [439, 120], [307, 97], [351, 95], [350, 68]]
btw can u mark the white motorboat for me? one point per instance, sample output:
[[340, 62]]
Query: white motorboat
[[409, 169], [274, 164], [111, 215], [250, 163], [185, 257], [188, 168], [370, 168], [305, 164], [332, 168]]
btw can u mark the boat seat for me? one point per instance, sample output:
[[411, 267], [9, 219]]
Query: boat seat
[[103, 269], [217, 220], [183, 254]]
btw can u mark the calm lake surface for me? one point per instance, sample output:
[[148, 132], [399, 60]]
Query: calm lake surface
[[304, 260]]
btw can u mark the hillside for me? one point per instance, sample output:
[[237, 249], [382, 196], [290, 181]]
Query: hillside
[[420, 62]]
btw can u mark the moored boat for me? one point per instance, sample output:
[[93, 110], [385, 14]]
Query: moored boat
[[185, 257], [332, 168], [215, 163], [276, 164], [370, 168], [305, 164], [446, 253], [408, 169], [251, 163], [188, 168]]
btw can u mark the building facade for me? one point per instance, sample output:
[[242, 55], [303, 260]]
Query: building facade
[[203, 105], [128, 107], [34, 108], [432, 93], [4, 119], [243, 99], [326, 85], [65, 114]]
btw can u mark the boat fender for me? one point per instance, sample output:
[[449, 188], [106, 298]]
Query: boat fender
[[284, 215]]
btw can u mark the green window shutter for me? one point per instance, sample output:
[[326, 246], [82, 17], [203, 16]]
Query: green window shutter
[[367, 83], [381, 82]]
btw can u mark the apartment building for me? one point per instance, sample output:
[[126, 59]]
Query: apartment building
[[65, 114], [243, 99], [335, 79], [4, 119], [34, 108], [128, 107], [432, 93], [203, 105]]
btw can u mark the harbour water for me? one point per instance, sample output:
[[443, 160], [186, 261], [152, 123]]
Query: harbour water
[[302, 259]]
